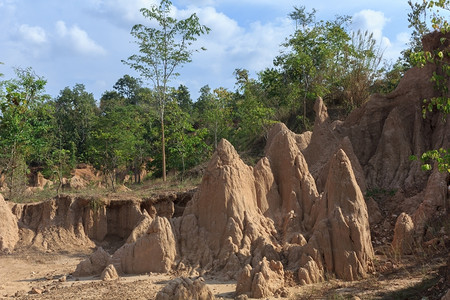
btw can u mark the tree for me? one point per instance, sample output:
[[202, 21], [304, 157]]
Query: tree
[[117, 139], [183, 141], [183, 98], [24, 123], [75, 112], [252, 116], [217, 115], [417, 19], [163, 49], [440, 58], [129, 87]]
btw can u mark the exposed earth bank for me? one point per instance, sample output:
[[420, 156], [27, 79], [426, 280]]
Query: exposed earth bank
[[341, 210]]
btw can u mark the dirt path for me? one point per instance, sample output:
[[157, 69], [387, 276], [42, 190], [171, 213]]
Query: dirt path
[[48, 274]]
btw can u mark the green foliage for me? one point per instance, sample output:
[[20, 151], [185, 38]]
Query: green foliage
[[440, 78], [24, 126], [75, 112], [379, 193], [96, 203], [186, 145], [322, 58], [417, 21], [441, 157], [117, 138], [217, 114], [129, 88], [163, 49], [183, 99], [59, 163]]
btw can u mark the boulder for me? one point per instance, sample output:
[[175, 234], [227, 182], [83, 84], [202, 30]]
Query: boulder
[[265, 280], [403, 242], [77, 182], [153, 250], [185, 288], [94, 264], [109, 273]]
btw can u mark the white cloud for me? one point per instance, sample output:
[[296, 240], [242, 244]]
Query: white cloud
[[403, 37], [197, 2], [372, 21], [78, 39], [232, 46], [33, 34], [126, 12]]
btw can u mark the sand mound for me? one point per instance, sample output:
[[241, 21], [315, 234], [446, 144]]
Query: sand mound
[[9, 231], [185, 288]]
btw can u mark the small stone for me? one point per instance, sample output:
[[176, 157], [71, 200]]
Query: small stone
[[63, 279], [36, 291]]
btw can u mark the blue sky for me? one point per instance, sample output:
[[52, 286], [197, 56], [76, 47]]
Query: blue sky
[[84, 41]]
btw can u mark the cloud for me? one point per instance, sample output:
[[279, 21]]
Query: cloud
[[403, 37], [124, 13], [78, 39], [233, 46], [372, 21], [33, 34]]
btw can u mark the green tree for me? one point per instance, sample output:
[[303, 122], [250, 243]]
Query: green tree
[[183, 98], [321, 58], [75, 112], [417, 19], [117, 139], [59, 163], [129, 88], [217, 114], [186, 144], [251, 115], [163, 49], [440, 78], [24, 123]]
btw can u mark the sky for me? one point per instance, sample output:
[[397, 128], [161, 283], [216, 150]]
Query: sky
[[84, 41]]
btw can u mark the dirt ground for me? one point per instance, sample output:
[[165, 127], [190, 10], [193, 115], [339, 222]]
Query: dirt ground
[[31, 274]]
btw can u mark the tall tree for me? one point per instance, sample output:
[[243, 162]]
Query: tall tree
[[129, 87], [163, 49], [75, 111], [252, 115], [117, 139], [24, 123], [183, 98], [217, 115]]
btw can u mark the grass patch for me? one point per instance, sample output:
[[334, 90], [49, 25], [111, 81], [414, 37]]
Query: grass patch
[[378, 193], [417, 291]]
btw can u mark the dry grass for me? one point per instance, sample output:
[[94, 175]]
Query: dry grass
[[147, 188]]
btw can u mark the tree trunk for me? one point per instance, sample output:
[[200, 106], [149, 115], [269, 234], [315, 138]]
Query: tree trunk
[[163, 141]]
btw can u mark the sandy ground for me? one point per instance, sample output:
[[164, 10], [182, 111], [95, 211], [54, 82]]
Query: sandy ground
[[28, 272]]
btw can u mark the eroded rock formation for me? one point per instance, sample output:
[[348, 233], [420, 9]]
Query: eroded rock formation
[[153, 249], [185, 288], [300, 209], [9, 232], [94, 264]]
